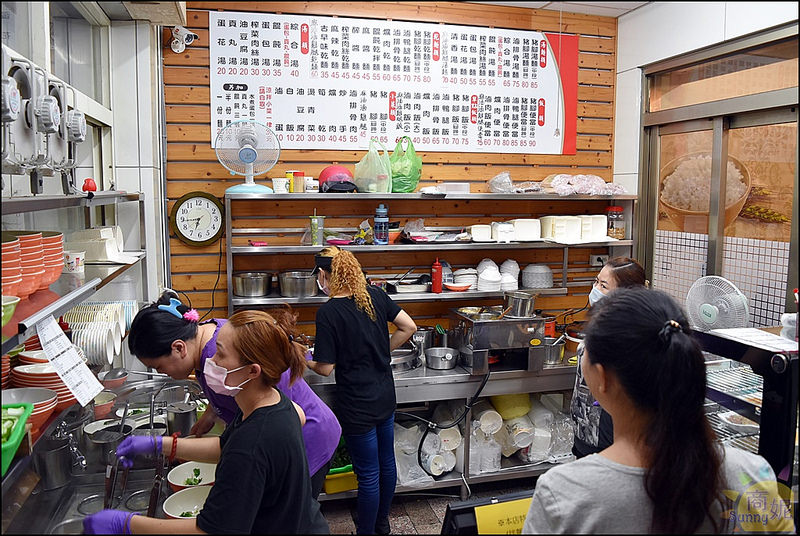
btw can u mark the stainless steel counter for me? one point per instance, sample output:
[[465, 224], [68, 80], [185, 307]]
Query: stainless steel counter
[[423, 384]]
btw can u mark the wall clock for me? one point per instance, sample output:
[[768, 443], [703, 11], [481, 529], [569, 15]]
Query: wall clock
[[197, 219]]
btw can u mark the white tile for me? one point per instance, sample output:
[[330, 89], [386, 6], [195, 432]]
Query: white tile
[[127, 178], [147, 104], [746, 17]]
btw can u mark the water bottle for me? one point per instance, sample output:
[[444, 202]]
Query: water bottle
[[381, 232]]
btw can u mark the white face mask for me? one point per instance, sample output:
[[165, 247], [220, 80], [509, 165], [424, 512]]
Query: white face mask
[[595, 296], [215, 379], [324, 289]]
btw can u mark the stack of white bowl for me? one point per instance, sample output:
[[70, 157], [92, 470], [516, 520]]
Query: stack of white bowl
[[537, 276], [466, 276], [489, 279], [98, 328], [129, 310], [509, 272]]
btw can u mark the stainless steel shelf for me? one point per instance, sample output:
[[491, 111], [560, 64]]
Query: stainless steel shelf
[[310, 250], [417, 195], [16, 205], [64, 294], [445, 295]]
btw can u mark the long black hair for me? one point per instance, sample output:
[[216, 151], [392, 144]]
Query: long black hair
[[153, 330], [644, 338]]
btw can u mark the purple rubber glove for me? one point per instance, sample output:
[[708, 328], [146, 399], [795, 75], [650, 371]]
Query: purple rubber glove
[[108, 522], [134, 445]]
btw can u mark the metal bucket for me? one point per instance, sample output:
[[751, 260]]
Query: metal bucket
[[441, 358], [423, 339], [554, 353], [181, 416], [53, 462], [518, 304]]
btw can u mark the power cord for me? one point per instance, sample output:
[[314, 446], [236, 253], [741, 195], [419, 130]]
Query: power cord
[[214, 290], [432, 425]]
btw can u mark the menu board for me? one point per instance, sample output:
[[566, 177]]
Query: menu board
[[335, 83]]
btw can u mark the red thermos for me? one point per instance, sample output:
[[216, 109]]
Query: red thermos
[[436, 276]]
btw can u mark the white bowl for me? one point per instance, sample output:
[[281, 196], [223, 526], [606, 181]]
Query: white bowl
[[178, 475], [186, 500], [37, 396], [739, 424]]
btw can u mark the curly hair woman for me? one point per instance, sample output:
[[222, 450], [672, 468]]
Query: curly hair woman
[[353, 336]]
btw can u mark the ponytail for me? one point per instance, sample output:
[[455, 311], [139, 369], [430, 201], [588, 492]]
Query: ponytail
[[155, 327], [643, 337]]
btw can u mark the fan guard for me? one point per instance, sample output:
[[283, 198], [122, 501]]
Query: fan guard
[[247, 148], [713, 302]]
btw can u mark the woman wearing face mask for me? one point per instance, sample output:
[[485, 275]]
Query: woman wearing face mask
[[665, 472], [177, 345], [593, 427], [352, 335], [262, 484]]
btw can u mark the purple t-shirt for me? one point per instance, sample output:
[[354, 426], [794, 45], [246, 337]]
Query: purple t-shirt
[[321, 432]]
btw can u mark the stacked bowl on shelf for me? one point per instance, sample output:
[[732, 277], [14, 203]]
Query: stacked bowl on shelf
[[12, 267], [35, 258], [466, 276], [6, 369], [44, 401], [98, 328], [42, 375], [509, 272], [489, 277]]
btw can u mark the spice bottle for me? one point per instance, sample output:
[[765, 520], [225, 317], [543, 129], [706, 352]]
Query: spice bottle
[[381, 230], [436, 276], [616, 222], [299, 180]]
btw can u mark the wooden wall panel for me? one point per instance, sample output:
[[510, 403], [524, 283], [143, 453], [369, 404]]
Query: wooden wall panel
[[192, 164]]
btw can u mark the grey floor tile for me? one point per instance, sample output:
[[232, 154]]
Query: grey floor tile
[[401, 524], [420, 512], [435, 528], [439, 506]]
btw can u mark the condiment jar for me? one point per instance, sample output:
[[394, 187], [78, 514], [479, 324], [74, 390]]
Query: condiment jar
[[616, 222]]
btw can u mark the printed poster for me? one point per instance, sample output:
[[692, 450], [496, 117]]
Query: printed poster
[[335, 83]]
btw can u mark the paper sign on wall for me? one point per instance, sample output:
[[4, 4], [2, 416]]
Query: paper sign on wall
[[334, 83], [67, 363], [502, 518]]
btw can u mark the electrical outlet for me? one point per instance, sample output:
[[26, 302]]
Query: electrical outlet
[[598, 260]]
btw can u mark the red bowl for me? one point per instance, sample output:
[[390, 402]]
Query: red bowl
[[11, 288], [11, 255], [10, 274], [30, 283]]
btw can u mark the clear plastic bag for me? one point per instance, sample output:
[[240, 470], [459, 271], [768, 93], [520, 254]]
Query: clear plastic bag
[[374, 171], [502, 184]]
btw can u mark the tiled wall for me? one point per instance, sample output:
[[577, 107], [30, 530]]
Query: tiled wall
[[758, 268]]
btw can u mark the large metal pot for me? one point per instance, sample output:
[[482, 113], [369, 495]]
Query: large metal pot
[[423, 339], [441, 358], [100, 439], [54, 460], [518, 304], [297, 284], [252, 283]]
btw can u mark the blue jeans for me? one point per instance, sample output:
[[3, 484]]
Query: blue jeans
[[372, 454]]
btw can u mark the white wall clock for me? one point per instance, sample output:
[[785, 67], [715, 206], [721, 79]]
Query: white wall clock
[[197, 219]]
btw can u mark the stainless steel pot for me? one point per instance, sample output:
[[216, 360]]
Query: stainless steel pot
[[100, 439], [54, 460], [554, 353], [441, 358], [423, 339], [181, 416], [297, 284], [252, 283], [518, 304]]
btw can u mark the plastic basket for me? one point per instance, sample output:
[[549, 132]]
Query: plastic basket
[[10, 447], [343, 481]]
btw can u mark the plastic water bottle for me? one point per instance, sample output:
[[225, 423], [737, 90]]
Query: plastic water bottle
[[381, 231]]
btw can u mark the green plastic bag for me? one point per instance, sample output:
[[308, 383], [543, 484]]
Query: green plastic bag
[[406, 167], [374, 171]]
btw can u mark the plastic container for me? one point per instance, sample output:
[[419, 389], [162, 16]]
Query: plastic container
[[512, 406], [317, 229], [10, 447], [381, 231], [340, 481], [436, 277], [616, 222]]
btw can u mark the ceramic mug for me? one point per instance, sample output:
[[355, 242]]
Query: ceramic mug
[[280, 185], [73, 262]]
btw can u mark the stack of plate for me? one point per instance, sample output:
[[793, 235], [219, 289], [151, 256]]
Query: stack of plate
[[6, 377], [466, 276], [33, 343], [489, 279], [31, 357], [43, 375], [44, 403]]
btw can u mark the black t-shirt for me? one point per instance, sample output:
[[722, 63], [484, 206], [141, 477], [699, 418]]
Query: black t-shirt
[[262, 484], [359, 347]]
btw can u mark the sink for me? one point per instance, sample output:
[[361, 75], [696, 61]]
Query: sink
[[62, 510]]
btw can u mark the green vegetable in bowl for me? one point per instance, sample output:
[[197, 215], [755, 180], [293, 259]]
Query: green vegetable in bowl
[[189, 513], [194, 480]]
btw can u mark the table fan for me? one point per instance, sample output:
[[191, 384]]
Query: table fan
[[248, 148], [713, 302]]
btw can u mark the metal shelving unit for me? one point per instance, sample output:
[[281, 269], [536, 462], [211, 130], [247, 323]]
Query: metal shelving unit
[[233, 250]]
